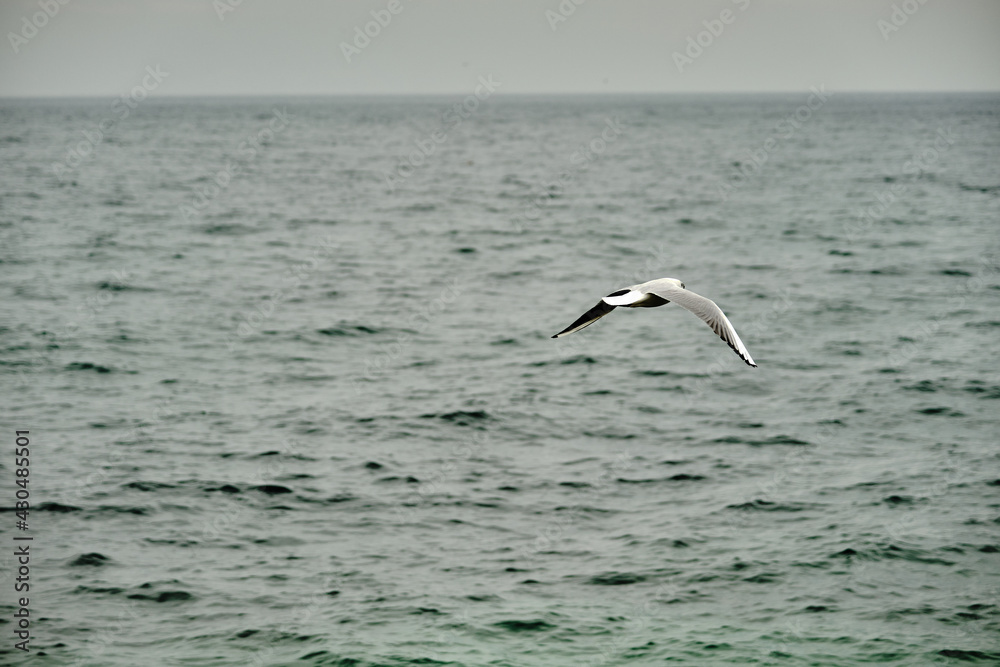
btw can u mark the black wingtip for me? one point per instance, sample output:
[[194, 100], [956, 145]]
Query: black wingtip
[[556, 336]]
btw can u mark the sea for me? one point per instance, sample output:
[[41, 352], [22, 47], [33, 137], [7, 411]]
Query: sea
[[279, 382]]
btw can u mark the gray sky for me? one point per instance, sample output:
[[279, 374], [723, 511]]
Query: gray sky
[[103, 47]]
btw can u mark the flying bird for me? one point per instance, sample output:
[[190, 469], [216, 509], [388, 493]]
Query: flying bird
[[660, 292]]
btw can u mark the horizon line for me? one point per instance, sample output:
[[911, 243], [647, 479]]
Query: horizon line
[[594, 93]]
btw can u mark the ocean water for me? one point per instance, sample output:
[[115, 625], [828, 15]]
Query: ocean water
[[292, 398]]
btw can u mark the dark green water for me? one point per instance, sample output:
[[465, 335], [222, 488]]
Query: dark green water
[[285, 410]]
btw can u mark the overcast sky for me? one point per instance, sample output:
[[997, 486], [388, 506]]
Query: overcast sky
[[103, 47]]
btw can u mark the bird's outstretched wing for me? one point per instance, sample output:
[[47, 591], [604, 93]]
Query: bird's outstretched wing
[[710, 313], [589, 317]]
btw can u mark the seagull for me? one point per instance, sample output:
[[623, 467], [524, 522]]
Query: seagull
[[659, 293]]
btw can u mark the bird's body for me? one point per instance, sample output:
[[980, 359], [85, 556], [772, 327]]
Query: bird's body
[[660, 292]]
